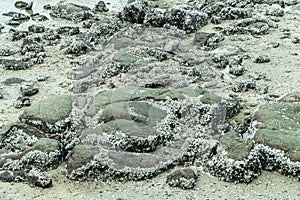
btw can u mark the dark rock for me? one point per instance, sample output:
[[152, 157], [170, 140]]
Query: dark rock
[[36, 28], [23, 5], [69, 30], [201, 38], [184, 178], [77, 47], [296, 40], [13, 80], [38, 17], [6, 177], [22, 102], [29, 89], [100, 7], [71, 11], [234, 13], [16, 65], [242, 86], [17, 16], [157, 17], [13, 23], [187, 18], [39, 179], [136, 11], [19, 176], [262, 59], [17, 35], [51, 35]]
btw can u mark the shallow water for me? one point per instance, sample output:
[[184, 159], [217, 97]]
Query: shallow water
[[8, 5]]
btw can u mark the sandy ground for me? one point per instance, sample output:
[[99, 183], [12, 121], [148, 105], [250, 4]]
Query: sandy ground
[[269, 185], [282, 76]]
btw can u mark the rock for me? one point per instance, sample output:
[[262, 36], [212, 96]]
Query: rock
[[39, 179], [296, 40], [245, 85], [23, 5], [17, 35], [77, 47], [275, 10], [22, 102], [201, 38], [38, 17], [6, 177], [51, 35], [278, 127], [185, 178], [136, 11], [29, 89], [80, 156], [100, 7], [235, 146], [19, 176], [17, 16], [13, 80], [234, 13], [262, 59], [157, 17], [69, 30], [187, 18], [71, 11], [39, 115], [291, 97], [36, 28], [16, 65]]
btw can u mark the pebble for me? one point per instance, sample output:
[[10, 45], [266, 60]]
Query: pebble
[[29, 89]]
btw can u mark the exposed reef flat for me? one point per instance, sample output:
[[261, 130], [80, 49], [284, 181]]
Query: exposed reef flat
[[129, 95]]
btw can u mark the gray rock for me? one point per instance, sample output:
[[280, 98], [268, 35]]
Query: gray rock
[[185, 178], [187, 18], [136, 11], [16, 65], [16, 16], [71, 11], [29, 89], [13, 80], [22, 102], [6, 177], [38, 17], [100, 7], [23, 5], [39, 179], [36, 28], [262, 59], [275, 10]]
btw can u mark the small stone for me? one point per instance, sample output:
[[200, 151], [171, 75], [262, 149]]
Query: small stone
[[36, 28], [19, 176], [101, 7], [22, 102], [184, 178], [262, 59], [6, 177], [37, 178], [29, 89], [296, 40]]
